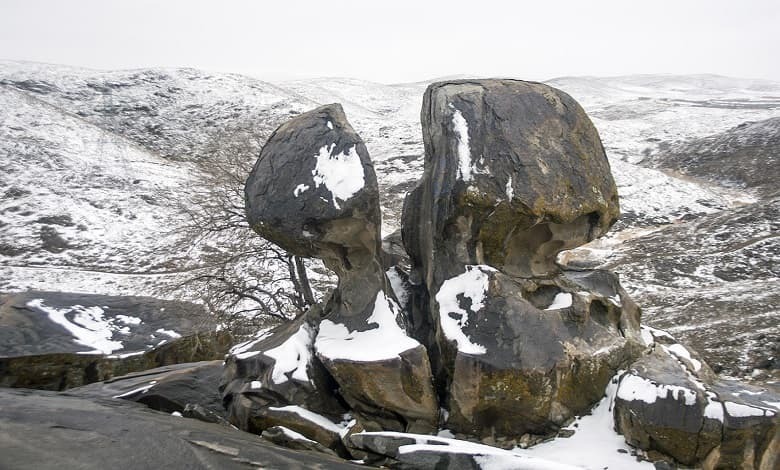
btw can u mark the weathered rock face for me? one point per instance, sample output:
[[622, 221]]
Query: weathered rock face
[[485, 323], [671, 402], [168, 389], [515, 173], [313, 191], [55, 341], [45, 430]]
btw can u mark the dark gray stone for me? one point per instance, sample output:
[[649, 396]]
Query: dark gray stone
[[38, 352], [48, 431]]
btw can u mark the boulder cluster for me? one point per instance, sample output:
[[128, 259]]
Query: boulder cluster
[[479, 331]]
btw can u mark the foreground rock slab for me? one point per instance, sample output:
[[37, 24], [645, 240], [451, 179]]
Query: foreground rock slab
[[55, 341], [169, 389], [45, 430]]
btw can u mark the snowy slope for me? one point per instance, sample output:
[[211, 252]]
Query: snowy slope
[[96, 163]]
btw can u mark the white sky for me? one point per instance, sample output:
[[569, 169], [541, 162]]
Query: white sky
[[399, 40]]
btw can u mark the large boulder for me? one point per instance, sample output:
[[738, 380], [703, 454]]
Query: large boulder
[[314, 192], [671, 402], [514, 173], [55, 340]]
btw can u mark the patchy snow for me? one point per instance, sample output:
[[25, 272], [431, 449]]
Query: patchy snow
[[128, 320], [255, 385], [242, 350], [301, 188], [292, 356], [472, 284], [341, 174], [561, 300], [177, 414], [682, 353], [330, 125], [169, 333], [315, 418], [296, 436], [633, 387], [142, 389], [88, 327], [738, 410], [595, 444], [386, 341], [714, 409], [461, 129], [126, 355], [397, 284], [510, 191]]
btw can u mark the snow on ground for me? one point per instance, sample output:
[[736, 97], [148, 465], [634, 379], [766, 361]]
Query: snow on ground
[[594, 445]]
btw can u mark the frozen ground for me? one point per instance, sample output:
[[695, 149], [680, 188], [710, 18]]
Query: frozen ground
[[95, 165]]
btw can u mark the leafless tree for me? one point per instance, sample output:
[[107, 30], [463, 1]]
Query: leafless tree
[[242, 278]]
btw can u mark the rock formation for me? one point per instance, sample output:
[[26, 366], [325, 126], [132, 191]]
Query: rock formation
[[56, 341], [313, 192], [478, 331], [515, 173]]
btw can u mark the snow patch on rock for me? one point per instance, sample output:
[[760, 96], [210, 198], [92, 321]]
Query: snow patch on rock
[[386, 341], [88, 326], [561, 300], [452, 318], [341, 174], [461, 129], [633, 387], [292, 356]]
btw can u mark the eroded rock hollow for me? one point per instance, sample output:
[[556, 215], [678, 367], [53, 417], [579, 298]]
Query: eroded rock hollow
[[492, 340]]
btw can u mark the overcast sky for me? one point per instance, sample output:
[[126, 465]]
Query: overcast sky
[[398, 40]]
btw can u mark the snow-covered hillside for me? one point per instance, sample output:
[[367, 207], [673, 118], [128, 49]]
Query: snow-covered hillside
[[96, 164]]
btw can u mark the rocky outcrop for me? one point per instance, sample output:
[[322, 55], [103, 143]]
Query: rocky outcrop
[[514, 173], [671, 402], [55, 341], [478, 319], [355, 346]]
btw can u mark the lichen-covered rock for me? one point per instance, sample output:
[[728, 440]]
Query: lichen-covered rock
[[514, 173], [526, 356], [670, 402]]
